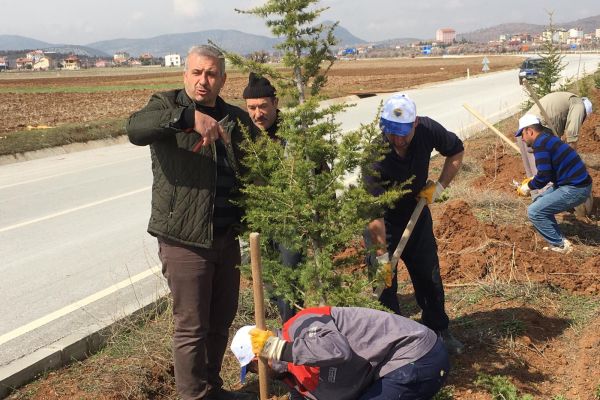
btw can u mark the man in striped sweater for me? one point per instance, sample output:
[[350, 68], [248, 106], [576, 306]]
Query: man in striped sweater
[[559, 163]]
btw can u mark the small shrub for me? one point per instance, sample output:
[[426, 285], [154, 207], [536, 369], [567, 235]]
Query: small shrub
[[512, 328], [447, 393], [584, 85], [500, 387]]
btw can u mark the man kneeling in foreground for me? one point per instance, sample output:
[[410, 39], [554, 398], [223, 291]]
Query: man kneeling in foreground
[[338, 353]]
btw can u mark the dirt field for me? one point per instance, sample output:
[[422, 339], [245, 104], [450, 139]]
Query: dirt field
[[39, 107], [530, 315]]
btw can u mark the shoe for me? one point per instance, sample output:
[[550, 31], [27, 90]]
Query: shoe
[[566, 248], [222, 394], [453, 345]]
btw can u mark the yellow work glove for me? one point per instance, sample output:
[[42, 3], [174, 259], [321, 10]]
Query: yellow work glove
[[385, 269], [523, 190], [431, 192], [266, 344]]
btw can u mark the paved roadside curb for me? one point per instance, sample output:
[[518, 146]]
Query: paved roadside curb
[[65, 149], [76, 346]]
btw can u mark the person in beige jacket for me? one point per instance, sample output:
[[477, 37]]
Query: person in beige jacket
[[566, 113]]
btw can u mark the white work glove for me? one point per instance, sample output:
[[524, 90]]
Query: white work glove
[[523, 190], [431, 192], [384, 271]]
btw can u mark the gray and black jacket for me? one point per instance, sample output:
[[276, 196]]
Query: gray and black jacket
[[183, 190], [337, 352]]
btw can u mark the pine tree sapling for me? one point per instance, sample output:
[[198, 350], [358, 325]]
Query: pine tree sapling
[[294, 189], [551, 64]]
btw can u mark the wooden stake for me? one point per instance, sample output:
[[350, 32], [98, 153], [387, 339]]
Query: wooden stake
[[259, 309], [492, 127]]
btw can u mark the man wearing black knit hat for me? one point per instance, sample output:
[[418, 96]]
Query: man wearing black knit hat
[[261, 103]]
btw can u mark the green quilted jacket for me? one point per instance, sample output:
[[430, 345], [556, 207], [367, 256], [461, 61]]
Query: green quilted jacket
[[183, 189]]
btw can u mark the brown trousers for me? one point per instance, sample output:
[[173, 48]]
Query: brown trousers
[[205, 286]]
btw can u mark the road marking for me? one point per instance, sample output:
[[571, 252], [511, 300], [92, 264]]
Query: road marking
[[70, 210], [68, 172], [77, 305]]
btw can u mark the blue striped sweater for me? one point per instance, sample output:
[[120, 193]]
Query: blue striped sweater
[[557, 162]]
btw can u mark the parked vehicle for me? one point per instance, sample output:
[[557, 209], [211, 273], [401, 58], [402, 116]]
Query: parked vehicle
[[530, 69]]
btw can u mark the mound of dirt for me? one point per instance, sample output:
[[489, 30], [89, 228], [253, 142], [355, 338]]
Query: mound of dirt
[[471, 250]]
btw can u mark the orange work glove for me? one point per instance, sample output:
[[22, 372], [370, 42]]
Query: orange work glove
[[431, 192], [385, 269], [524, 189], [266, 344]]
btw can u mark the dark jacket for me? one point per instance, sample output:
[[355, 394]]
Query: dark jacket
[[183, 190]]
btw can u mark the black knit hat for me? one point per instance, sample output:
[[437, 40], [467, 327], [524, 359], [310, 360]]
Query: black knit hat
[[258, 87]]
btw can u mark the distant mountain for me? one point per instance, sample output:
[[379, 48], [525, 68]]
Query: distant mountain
[[493, 33], [588, 25], [230, 40], [16, 42], [397, 42], [159, 46], [344, 37], [77, 50]]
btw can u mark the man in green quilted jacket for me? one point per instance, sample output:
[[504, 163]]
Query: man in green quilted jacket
[[196, 167]]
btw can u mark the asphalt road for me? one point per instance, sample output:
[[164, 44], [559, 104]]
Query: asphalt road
[[74, 250]]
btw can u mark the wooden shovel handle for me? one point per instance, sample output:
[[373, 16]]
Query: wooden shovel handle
[[259, 309]]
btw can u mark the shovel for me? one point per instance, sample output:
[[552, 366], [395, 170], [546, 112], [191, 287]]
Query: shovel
[[402, 243]]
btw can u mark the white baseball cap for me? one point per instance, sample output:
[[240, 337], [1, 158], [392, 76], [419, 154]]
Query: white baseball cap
[[588, 105], [398, 115], [242, 349], [525, 121]]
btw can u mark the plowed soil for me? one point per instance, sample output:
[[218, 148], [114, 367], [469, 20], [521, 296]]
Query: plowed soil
[[41, 107]]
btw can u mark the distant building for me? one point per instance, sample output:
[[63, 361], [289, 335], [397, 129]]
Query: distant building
[[103, 63], [146, 59], [3, 63], [24, 63], [598, 33], [575, 33], [43, 64], [72, 62], [121, 57], [562, 36], [35, 55], [172, 60], [445, 35]]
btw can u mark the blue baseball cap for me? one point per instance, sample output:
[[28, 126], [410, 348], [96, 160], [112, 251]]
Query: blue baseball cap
[[398, 116]]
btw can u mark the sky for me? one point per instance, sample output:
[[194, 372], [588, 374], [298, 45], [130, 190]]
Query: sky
[[82, 22]]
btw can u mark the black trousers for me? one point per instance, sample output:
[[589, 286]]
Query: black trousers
[[205, 286], [421, 260]]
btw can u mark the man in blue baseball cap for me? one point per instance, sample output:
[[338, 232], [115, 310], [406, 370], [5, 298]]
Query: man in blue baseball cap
[[412, 139]]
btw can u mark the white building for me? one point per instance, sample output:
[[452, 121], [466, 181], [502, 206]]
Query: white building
[[172, 60], [575, 33], [598, 33], [445, 35]]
